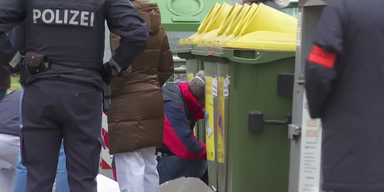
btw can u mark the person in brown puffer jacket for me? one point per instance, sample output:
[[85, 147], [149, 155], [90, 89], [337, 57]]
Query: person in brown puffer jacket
[[136, 114]]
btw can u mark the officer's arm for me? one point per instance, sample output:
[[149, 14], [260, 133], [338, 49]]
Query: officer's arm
[[18, 38], [124, 20], [7, 51], [12, 13], [320, 72], [166, 65]]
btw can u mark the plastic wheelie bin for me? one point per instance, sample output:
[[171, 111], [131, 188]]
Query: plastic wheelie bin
[[257, 149], [245, 152], [250, 78], [213, 30]]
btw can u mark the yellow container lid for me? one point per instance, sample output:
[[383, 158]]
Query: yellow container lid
[[228, 34], [241, 14], [237, 25], [251, 11], [266, 29], [202, 27], [211, 14], [212, 28], [265, 40], [219, 17], [232, 15], [269, 19]]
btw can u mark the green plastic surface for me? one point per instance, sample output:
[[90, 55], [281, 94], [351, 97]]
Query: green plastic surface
[[253, 162], [177, 7], [184, 15], [210, 70]]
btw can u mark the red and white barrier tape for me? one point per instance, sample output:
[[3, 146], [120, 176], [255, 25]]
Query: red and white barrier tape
[[106, 159]]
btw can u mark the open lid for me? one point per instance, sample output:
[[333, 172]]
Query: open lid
[[207, 19], [268, 19], [244, 10], [219, 17], [234, 12]]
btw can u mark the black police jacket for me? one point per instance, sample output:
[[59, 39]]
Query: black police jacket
[[72, 33], [345, 88]]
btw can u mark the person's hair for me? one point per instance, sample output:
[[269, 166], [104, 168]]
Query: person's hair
[[197, 86]]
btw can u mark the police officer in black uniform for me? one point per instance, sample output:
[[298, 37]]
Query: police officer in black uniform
[[344, 82], [63, 96]]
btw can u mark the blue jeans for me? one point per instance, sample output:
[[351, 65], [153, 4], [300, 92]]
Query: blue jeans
[[61, 175], [3, 93], [172, 167]]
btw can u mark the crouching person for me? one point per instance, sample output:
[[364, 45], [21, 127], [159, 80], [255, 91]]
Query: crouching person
[[9, 139], [182, 155]]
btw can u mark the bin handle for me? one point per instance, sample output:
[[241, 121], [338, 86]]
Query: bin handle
[[232, 57], [260, 57], [256, 121]]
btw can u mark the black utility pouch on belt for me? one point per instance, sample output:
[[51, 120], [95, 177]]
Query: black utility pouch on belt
[[36, 63], [32, 64]]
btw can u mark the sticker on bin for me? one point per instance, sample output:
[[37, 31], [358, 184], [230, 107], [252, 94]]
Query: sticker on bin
[[226, 86], [209, 128], [214, 87], [209, 120], [209, 131]]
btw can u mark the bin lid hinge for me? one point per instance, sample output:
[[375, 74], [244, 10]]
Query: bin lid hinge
[[294, 131], [301, 79]]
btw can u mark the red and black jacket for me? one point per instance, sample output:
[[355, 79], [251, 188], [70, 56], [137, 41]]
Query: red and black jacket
[[181, 111]]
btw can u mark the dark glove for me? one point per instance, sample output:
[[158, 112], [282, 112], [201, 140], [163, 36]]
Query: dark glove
[[108, 73], [106, 97]]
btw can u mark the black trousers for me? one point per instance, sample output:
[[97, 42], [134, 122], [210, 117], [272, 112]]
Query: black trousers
[[56, 110]]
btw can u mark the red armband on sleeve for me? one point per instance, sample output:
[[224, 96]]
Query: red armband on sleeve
[[320, 56]]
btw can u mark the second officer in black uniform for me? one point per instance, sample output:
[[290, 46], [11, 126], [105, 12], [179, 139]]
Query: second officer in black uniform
[[344, 84], [63, 96]]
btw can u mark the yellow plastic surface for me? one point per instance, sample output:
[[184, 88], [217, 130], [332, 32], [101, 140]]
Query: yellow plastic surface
[[200, 31], [267, 29], [211, 31], [257, 27], [228, 34], [233, 13], [212, 13], [270, 19], [225, 26], [241, 20], [242, 13], [265, 40]]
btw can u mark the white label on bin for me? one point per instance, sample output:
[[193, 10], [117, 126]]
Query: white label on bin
[[226, 86], [310, 153], [214, 87]]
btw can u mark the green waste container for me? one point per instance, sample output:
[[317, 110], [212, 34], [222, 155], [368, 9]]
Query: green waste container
[[211, 112], [193, 66], [249, 157]]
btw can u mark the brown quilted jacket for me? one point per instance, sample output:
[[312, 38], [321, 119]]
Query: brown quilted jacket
[[136, 115]]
